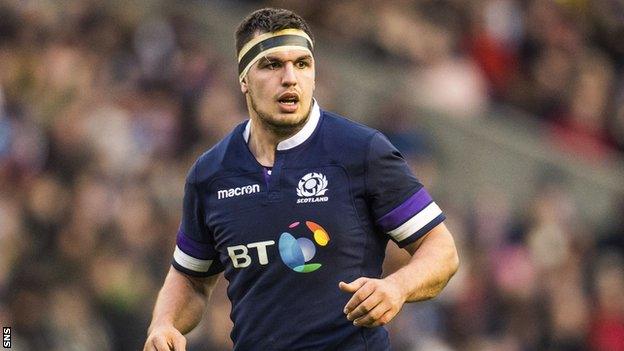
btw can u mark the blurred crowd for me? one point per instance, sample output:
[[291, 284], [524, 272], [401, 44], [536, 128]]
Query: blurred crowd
[[105, 105], [561, 61]]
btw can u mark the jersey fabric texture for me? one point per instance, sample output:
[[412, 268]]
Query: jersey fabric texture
[[337, 192]]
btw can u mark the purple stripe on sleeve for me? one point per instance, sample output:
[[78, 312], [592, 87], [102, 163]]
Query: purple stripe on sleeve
[[405, 211], [194, 248]]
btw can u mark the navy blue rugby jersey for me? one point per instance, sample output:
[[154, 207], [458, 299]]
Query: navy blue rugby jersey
[[337, 192]]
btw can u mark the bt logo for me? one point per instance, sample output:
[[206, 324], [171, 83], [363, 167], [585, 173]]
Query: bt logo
[[295, 253]]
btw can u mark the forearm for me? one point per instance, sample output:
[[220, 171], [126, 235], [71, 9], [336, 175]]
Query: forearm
[[181, 301], [433, 263]]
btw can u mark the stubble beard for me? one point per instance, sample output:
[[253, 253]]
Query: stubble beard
[[281, 129]]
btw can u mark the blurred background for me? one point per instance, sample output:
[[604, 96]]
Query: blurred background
[[511, 112]]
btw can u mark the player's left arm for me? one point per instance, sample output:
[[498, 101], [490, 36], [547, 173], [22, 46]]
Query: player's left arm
[[376, 302]]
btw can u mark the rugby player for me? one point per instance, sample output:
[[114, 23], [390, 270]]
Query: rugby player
[[296, 206]]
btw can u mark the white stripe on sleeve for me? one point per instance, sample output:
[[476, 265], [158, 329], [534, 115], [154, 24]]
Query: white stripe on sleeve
[[416, 223], [190, 262]]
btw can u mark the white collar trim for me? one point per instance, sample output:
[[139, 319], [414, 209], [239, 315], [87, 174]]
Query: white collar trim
[[300, 137]]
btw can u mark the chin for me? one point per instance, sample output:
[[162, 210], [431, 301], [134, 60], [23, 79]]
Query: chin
[[287, 120], [284, 123]]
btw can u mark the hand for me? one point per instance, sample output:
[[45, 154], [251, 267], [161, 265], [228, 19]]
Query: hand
[[374, 302], [166, 338]]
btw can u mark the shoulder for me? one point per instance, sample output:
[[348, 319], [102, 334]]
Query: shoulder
[[215, 160], [357, 144], [347, 133]]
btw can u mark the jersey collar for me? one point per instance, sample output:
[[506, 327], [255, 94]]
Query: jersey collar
[[300, 136]]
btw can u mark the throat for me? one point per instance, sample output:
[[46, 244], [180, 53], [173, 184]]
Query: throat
[[264, 137], [262, 146]]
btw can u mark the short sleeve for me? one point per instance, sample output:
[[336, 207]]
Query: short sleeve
[[400, 204], [194, 252]]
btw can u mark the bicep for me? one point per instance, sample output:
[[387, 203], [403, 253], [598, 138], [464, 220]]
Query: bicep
[[201, 285], [401, 207], [437, 238]]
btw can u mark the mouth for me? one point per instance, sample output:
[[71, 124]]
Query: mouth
[[288, 98], [288, 102]]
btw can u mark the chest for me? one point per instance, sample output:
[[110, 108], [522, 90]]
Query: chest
[[303, 217]]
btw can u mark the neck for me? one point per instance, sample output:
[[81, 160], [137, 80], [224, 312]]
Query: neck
[[263, 139]]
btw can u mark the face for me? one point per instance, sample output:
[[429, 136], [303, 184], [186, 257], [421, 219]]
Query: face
[[278, 89]]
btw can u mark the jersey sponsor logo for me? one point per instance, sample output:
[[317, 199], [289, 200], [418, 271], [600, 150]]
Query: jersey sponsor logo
[[242, 190], [296, 253], [312, 188], [239, 254]]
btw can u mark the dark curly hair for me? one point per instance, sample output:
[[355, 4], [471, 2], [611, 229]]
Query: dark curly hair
[[268, 20]]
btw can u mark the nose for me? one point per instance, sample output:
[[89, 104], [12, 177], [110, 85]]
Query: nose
[[288, 77]]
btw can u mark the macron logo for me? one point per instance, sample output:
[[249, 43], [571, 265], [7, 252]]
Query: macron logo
[[242, 190]]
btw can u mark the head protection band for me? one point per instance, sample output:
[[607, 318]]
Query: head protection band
[[264, 44]]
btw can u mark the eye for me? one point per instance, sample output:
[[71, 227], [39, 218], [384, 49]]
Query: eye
[[272, 65], [302, 64]]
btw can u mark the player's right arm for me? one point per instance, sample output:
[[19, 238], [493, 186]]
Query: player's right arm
[[179, 308]]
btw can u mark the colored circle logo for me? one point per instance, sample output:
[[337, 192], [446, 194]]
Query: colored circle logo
[[297, 252]]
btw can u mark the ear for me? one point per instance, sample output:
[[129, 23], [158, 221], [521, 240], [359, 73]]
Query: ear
[[243, 86]]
